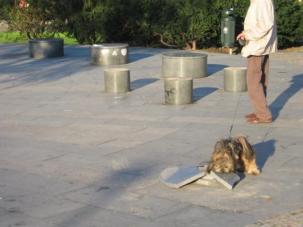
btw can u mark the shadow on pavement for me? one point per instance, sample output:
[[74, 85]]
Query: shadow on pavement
[[201, 92], [23, 70], [77, 51], [107, 194], [139, 83], [277, 105], [264, 150], [19, 69], [137, 53], [138, 56], [214, 68]]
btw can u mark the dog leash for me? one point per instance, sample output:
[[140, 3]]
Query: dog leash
[[234, 117]]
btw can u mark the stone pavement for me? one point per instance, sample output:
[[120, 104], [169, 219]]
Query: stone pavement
[[72, 155]]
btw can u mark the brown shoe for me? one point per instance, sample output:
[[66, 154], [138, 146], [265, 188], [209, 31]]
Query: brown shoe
[[251, 115], [257, 120]]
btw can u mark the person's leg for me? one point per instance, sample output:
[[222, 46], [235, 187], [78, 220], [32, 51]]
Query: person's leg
[[265, 73], [257, 89]]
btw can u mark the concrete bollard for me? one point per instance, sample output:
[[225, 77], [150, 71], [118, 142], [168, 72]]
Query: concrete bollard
[[184, 64], [235, 79], [116, 80], [46, 48], [109, 54], [178, 91]]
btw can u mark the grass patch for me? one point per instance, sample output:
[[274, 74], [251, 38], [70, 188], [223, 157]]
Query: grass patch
[[12, 37], [16, 37], [67, 39]]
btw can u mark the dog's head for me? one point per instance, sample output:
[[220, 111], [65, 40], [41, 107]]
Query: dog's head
[[223, 159]]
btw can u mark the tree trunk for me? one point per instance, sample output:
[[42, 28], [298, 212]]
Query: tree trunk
[[194, 45]]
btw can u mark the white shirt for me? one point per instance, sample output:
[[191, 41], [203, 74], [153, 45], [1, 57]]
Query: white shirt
[[260, 29]]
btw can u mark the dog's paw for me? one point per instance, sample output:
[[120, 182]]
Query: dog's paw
[[254, 172]]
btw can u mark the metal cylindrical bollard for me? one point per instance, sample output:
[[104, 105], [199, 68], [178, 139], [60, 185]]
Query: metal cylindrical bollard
[[235, 79], [109, 54], [178, 91], [184, 64], [46, 48], [116, 80]]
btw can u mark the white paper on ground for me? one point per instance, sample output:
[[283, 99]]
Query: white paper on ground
[[178, 176]]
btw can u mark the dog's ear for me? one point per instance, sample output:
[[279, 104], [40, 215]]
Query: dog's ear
[[219, 145]]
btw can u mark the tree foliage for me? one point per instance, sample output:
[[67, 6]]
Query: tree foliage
[[5, 7], [289, 22], [173, 23], [87, 22], [36, 18], [191, 22]]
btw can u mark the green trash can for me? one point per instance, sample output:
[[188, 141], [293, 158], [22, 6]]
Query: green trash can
[[228, 27]]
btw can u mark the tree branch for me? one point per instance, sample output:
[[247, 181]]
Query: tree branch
[[162, 40]]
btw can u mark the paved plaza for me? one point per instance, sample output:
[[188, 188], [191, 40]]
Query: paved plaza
[[72, 155]]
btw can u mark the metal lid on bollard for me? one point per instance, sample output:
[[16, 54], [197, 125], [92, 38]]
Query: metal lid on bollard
[[176, 78], [110, 45], [112, 69], [46, 40], [235, 69], [184, 55]]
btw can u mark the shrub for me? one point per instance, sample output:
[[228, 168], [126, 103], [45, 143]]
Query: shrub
[[290, 22], [133, 21], [37, 19], [191, 23], [87, 19], [173, 23], [5, 8]]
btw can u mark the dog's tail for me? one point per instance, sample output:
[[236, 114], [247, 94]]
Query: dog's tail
[[248, 151], [249, 156]]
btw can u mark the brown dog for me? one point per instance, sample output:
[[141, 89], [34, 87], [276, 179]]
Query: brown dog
[[234, 154]]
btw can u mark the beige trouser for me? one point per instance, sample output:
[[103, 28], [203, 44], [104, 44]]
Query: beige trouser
[[257, 81]]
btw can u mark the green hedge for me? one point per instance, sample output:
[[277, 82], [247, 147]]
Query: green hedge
[[290, 22], [174, 23], [5, 7]]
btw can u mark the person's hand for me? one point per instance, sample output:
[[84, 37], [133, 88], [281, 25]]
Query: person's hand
[[241, 36]]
